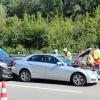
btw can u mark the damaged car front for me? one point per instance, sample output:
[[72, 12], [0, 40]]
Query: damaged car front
[[80, 61], [5, 71]]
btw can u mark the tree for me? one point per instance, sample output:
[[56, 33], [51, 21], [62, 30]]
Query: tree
[[2, 22]]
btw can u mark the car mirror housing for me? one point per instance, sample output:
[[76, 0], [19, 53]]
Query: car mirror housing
[[59, 63]]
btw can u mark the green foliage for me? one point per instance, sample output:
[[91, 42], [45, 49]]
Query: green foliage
[[32, 25], [2, 22], [12, 33], [47, 50]]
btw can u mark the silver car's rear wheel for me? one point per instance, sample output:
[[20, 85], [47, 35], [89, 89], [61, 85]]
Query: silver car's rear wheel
[[78, 79], [25, 75]]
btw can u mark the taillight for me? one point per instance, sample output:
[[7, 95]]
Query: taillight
[[13, 63]]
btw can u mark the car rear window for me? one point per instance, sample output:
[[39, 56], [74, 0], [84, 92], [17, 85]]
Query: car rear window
[[3, 53]]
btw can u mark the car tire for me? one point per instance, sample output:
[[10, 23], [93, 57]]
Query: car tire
[[78, 79], [25, 75]]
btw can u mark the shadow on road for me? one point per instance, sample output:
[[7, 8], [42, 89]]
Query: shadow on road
[[45, 81]]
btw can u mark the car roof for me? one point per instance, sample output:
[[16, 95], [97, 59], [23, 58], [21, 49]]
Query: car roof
[[55, 55], [2, 49], [45, 54]]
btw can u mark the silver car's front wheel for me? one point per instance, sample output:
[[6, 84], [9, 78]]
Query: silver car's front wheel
[[78, 79], [25, 75]]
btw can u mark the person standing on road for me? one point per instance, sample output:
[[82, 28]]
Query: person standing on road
[[55, 51], [67, 54], [96, 56], [90, 60], [80, 51]]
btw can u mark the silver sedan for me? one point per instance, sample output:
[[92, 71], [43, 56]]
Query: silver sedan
[[54, 67]]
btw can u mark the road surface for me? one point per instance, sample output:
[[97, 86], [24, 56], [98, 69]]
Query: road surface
[[50, 90]]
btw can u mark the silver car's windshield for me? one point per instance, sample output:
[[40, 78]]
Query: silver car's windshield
[[63, 59]]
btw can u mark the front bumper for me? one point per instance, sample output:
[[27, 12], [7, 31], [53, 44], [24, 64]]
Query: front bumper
[[92, 79], [98, 73], [6, 74]]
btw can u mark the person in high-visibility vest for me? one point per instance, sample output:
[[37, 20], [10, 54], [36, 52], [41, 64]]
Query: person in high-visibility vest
[[96, 56], [90, 60], [67, 54], [55, 51]]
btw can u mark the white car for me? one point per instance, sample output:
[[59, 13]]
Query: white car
[[54, 67]]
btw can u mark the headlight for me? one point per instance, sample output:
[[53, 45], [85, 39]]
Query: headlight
[[2, 64]]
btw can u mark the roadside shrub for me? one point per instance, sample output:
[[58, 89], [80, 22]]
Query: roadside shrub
[[47, 50]]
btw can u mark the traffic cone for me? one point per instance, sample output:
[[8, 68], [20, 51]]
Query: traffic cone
[[3, 95]]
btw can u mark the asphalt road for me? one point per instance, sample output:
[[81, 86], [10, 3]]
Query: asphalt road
[[50, 90]]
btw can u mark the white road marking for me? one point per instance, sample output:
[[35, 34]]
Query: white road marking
[[43, 88]]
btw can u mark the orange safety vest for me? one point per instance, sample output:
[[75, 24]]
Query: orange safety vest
[[97, 61]]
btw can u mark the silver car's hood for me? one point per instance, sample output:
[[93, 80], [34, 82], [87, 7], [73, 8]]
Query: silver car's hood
[[78, 68]]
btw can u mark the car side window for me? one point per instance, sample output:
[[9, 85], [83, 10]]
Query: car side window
[[37, 58], [51, 59]]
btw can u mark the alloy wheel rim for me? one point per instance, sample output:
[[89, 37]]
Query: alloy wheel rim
[[78, 80], [25, 76]]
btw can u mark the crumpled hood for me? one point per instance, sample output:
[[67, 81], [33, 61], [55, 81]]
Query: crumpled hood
[[8, 59]]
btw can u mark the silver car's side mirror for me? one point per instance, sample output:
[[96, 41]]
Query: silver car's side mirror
[[59, 63]]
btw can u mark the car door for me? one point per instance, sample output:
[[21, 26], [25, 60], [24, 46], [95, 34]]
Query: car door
[[37, 65], [55, 71]]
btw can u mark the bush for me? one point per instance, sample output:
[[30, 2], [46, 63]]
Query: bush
[[47, 50]]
